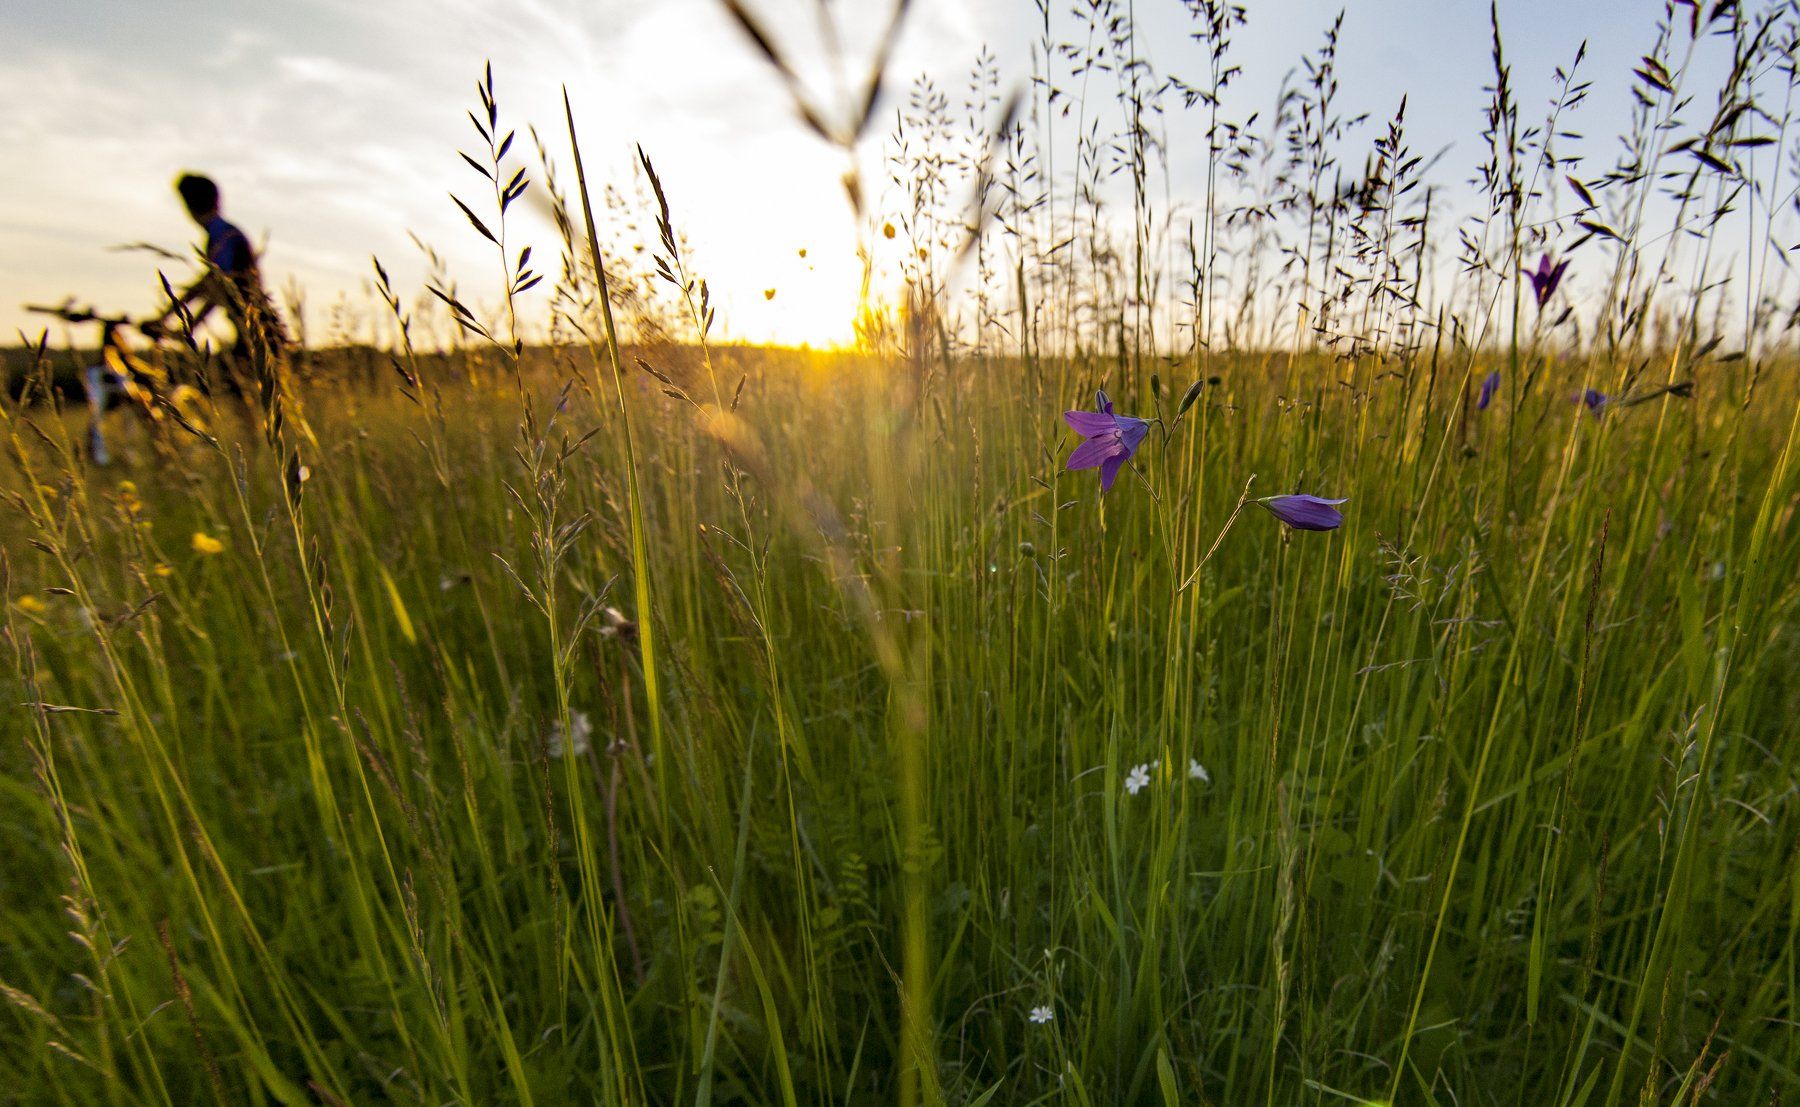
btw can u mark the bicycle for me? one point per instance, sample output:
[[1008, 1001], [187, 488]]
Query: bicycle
[[145, 384]]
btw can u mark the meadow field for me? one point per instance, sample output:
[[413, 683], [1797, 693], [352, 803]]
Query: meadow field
[[617, 714]]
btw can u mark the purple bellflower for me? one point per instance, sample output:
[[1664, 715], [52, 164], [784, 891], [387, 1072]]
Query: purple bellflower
[[1489, 385], [1546, 277], [1110, 439], [1595, 400], [1305, 512]]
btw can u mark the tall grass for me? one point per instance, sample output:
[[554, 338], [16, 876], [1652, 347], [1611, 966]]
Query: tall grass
[[641, 718]]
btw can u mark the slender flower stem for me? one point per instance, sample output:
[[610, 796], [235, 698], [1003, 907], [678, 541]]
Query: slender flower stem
[[1243, 498]]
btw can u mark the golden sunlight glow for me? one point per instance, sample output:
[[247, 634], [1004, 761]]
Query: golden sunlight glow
[[764, 216], [805, 296]]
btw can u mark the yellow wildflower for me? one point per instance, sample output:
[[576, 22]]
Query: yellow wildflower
[[205, 543], [30, 605], [162, 570]]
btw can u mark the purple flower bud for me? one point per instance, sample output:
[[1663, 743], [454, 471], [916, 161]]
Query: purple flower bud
[[1595, 400], [1489, 385], [1305, 512], [1546, 277]]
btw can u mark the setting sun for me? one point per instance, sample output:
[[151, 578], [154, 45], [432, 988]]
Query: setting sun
[[812, 298]]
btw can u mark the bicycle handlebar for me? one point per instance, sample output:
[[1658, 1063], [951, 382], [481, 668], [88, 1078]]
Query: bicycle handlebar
[[110, 325], [71, 314]]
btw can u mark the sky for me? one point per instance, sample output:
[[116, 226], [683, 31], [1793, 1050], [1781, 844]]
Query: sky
[[333, 126]]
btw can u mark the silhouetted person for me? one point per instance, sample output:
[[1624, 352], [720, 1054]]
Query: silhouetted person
[[232, 281]]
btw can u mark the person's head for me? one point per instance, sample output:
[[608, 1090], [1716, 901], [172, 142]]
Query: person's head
[[200, 195]]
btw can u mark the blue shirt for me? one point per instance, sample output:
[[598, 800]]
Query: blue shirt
[[228, 249]]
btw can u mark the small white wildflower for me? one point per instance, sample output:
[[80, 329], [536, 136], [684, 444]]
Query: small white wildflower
[[579, 726], [1042, 1015], [1197, 771], [1138, 779]]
